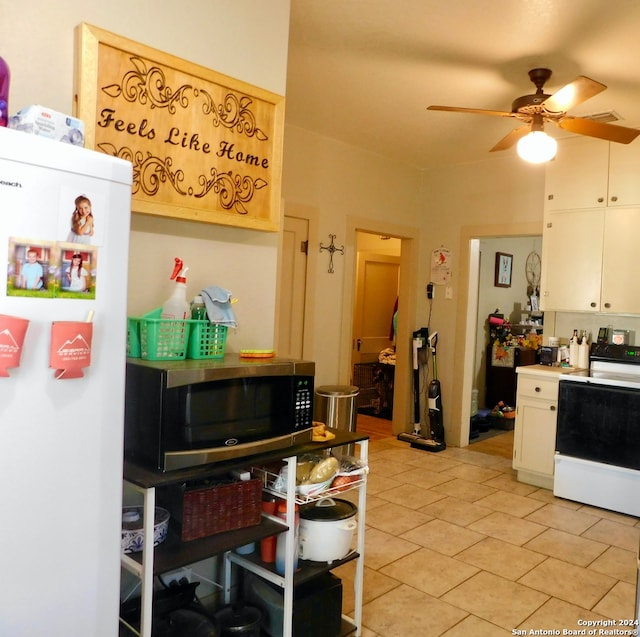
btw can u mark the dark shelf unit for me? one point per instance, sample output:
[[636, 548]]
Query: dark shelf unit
[[173, 553], [501, 381]]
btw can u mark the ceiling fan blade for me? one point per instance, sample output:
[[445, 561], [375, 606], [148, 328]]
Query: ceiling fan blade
[[509, 140], [572, 94], [583, 126], [477, 111]]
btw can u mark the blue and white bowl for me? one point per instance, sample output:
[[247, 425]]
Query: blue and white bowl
[[132, 540]]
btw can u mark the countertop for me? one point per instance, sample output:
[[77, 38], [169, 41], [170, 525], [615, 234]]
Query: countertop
[[546, 370]]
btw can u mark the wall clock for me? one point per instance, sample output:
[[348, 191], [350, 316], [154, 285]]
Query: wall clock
[[532, 270]]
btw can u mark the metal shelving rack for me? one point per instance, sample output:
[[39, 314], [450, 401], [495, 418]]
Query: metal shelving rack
[[173, 553], [308, 569]]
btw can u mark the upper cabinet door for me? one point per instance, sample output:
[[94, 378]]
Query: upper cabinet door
[[624, 174], [572, 261], [578, 176], [620, 282]]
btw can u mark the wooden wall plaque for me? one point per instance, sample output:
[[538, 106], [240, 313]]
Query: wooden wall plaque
[[204, 146]]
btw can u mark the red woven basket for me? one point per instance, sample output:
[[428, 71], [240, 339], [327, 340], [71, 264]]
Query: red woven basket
[[222, 507]]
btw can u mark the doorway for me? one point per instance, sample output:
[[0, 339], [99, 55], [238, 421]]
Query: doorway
[[408, 282], [469, 349], [373, 355]]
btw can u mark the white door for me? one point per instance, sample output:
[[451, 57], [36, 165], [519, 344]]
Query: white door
[[293, 283], [376, 295]]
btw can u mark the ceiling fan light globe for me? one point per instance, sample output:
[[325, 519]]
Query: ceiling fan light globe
[[537, 147]]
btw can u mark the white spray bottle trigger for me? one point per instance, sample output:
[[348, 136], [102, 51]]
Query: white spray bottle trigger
[[177, 268]]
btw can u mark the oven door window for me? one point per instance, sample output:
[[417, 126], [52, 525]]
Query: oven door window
[[599, 423]]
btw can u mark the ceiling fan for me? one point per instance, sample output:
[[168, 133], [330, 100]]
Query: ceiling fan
[[538, 108]]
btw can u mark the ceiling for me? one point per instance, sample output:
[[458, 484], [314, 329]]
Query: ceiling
[[364, 71]]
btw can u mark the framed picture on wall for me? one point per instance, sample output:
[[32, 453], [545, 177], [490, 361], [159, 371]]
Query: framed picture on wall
[[504, 263]]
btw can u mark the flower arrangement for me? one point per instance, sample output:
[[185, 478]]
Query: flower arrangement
[[502, 337], [501, 334]]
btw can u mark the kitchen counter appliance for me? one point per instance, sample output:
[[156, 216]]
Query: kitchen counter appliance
[[597, 457], [181, 414]]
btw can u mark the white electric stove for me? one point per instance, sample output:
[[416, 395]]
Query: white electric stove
[[597, 458]]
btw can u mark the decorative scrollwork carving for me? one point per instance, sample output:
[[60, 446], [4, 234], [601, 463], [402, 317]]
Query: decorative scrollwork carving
[[148, 85], [150, 172], [233, 190]]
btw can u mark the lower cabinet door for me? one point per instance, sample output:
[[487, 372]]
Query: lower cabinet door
[[535, 436]]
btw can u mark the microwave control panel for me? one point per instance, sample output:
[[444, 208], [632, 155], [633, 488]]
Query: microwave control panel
[[303, 403]]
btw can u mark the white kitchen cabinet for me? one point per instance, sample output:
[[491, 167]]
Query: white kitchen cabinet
[[620, 282], [586, 257], [593, 173], [578, 176], [535, 427], [572, 261]]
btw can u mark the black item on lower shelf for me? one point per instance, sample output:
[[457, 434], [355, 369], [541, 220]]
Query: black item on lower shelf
[[480, 423], [177, 612], [317, 605]]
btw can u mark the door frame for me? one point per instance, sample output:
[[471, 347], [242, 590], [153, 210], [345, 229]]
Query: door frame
[[467, 317], [402, 393]]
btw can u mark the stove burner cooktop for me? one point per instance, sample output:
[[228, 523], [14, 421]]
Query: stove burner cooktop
[[615, 365]]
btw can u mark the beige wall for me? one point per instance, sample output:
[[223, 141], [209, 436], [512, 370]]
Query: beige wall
[[501, 196], [246, 39], [334, 184]]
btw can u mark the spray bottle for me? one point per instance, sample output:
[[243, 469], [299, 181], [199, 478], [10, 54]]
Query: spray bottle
[[583, 351], [177, 306], [573, 349]]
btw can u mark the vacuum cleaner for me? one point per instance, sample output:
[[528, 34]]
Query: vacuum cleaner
[[419, 338], [434, 441]]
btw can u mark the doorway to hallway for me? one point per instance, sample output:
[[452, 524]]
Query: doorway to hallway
[[373, 354]]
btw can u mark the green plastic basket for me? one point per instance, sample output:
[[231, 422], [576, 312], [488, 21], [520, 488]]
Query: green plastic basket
[[206, 340], [163, 339], [133, 337]]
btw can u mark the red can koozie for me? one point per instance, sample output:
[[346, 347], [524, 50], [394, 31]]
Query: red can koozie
[[12, 332], [70, 348]]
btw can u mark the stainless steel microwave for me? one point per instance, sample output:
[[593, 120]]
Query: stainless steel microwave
[[193, 412]]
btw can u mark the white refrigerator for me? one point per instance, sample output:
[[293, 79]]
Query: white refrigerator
[[64, 239]]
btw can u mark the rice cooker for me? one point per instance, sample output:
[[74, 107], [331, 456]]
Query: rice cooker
[[326, 529]]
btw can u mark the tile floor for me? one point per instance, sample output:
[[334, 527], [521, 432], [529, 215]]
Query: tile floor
[[455, 546]]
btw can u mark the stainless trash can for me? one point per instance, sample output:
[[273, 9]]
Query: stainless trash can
[[335, 406]]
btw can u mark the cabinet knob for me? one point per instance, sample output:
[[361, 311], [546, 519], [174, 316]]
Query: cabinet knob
[[593, 304], [607, 305], [614, 198], [537, 389], [600, 199], [549, 197], [552, 408]]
